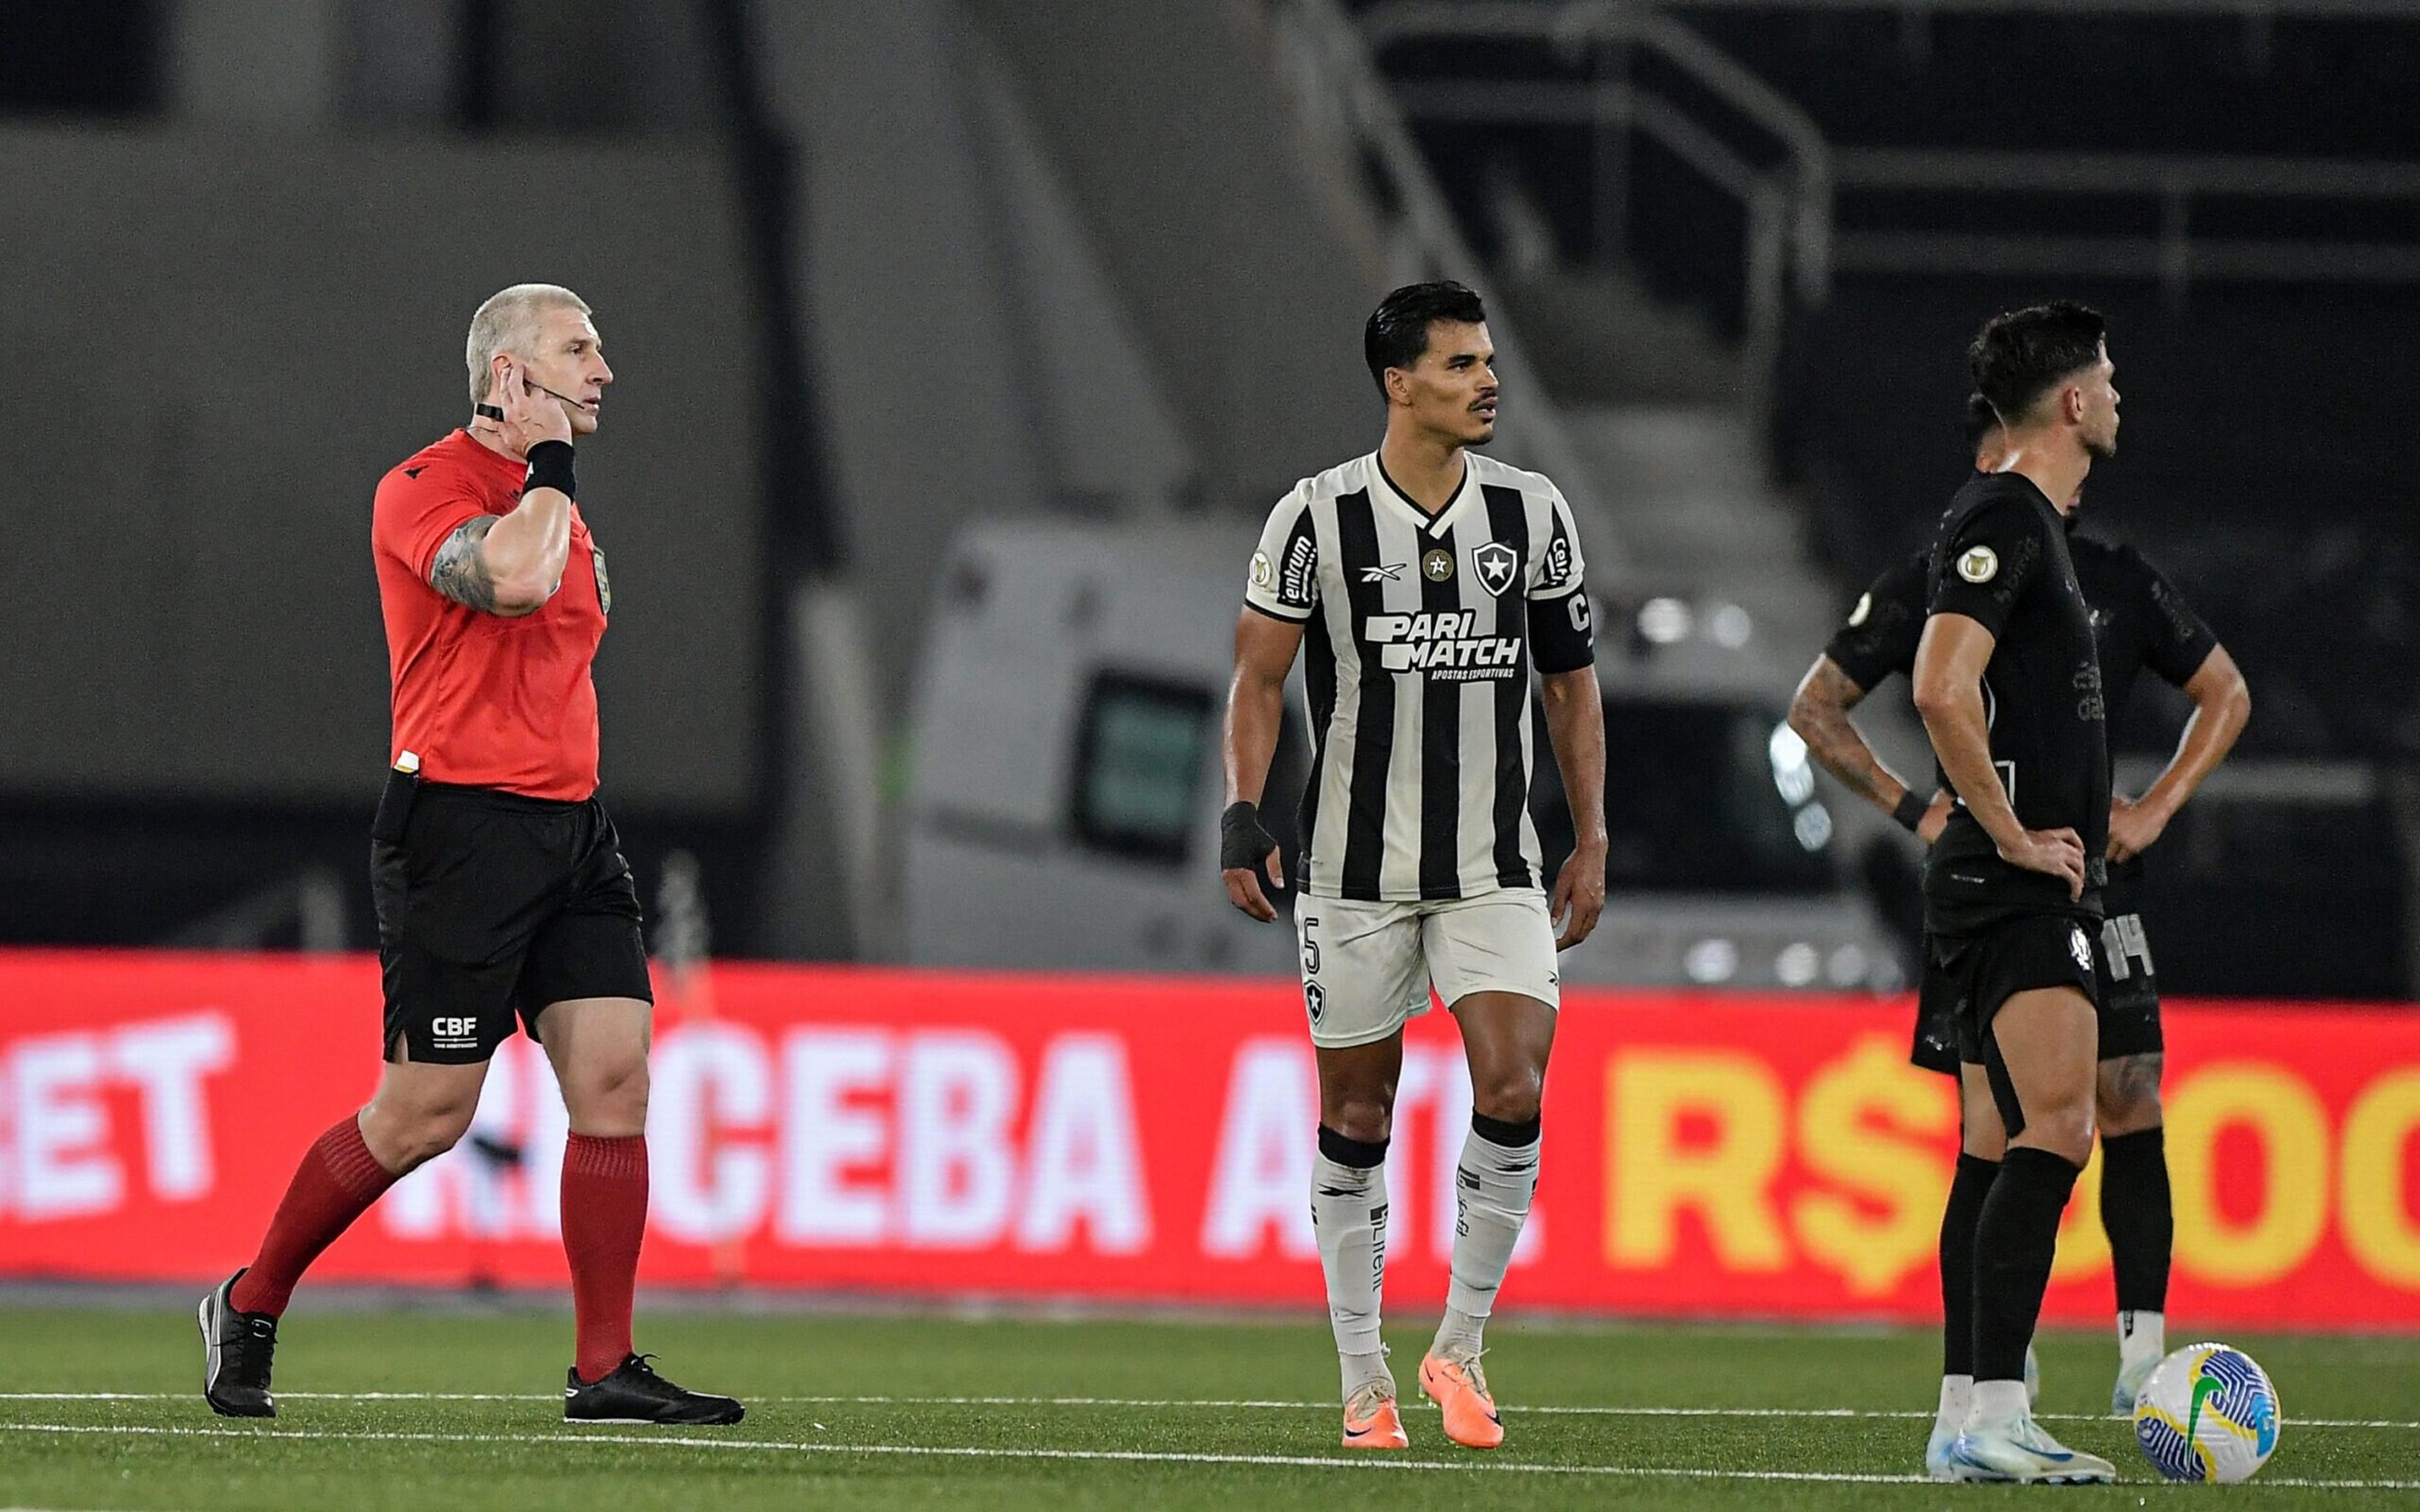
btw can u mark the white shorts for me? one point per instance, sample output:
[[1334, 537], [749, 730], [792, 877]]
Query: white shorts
[[1366, 967]]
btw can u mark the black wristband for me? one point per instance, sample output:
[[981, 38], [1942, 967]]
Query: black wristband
[[550, 467], [1242, 844], [1911, 809]]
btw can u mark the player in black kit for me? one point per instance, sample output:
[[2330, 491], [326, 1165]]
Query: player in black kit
[[2007, 681], [2139, 620]]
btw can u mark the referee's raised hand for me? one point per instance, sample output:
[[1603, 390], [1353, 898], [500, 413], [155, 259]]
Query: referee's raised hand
[[530, 417]]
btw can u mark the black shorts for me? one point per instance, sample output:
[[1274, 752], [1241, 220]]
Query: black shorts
[[492, 905], [2130, 993], [1981, 969], [2127, 996]]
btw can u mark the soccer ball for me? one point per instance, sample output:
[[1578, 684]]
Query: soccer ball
[[2208, 1412]]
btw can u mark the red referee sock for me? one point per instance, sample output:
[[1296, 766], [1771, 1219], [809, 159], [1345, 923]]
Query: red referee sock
[[604, 1218], [336, 1183]]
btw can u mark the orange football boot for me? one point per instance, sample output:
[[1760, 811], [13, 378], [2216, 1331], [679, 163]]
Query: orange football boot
[[1370, 1421], [1454, 1381]]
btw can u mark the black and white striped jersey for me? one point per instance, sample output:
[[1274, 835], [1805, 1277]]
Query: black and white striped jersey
[[1421, 636]]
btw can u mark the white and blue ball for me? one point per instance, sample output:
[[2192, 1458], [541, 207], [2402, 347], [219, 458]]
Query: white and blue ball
[[2207, 1414]]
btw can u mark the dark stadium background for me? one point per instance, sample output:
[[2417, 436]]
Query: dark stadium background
[[242, 238], [962, 347]]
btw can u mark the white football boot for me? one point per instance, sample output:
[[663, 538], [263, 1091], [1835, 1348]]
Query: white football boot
[[2018, 1450]]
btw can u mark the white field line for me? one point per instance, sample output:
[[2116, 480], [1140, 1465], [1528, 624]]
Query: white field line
[[1357, 1462], [1237, 1404]]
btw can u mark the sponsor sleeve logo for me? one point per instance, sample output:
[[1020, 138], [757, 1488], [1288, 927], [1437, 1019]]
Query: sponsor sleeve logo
[[1978, 564], [1298, 587], [1556, 568]]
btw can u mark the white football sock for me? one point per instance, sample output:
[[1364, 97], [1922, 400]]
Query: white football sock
[[1493, 1188], [1349, 1216], [2141, 1336], [1995, 1404], [1957, 1396]]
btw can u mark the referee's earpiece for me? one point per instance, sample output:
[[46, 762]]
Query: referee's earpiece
[[489, 411]]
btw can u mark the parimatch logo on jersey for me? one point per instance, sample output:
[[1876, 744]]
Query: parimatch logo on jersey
[[1445, 644]]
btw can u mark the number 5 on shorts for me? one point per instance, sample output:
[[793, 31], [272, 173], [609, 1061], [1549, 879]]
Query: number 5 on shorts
[[1310, 948]]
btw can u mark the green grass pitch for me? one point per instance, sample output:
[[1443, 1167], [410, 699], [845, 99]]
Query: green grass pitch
[[855, 1410]]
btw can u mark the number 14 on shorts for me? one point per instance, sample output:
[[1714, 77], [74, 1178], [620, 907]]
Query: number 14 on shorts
[[2122, 938]]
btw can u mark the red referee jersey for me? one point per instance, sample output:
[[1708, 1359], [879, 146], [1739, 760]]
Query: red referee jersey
[[482, 699]]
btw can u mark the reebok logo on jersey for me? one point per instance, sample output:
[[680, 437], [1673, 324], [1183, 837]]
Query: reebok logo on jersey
[[1978, 564], [1497, 564], [1446, 643], [2080, 947], [1387, 573]]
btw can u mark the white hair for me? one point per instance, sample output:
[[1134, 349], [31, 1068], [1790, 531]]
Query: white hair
[[507, 322]]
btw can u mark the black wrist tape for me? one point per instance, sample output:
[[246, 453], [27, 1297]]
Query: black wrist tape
[[1242, 842], [1911, 809], [550, 467]]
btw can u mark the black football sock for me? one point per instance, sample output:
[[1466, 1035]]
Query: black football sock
[[2015, 1242], [1964, 1209], [2136, 1211]]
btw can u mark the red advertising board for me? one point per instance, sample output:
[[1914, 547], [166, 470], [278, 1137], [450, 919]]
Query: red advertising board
[[1075, 1137]]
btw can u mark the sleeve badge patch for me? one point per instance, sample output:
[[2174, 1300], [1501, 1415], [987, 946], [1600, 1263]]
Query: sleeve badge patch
[[1979, 565]]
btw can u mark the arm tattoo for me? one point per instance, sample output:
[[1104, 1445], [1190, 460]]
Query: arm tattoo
[[460, 570], [1822, 705]]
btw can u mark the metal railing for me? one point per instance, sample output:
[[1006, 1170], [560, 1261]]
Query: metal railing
[[1339, 86], [2175, 256], [1785, 204], [1792, 208]]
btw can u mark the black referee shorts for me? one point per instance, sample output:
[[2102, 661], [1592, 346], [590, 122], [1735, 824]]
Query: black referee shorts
[[1979, 970], [492, 905]]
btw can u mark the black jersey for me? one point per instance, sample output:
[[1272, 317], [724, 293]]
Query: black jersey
[[2139, 620], [2001, 559]]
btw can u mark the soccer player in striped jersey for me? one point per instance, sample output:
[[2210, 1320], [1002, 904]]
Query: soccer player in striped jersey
[[1428, 580]]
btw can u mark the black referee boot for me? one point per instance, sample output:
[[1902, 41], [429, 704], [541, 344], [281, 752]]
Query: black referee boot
[[236, 1350], [635, 1393]]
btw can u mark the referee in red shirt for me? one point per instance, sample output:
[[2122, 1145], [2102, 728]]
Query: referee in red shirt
[[501, 888]]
